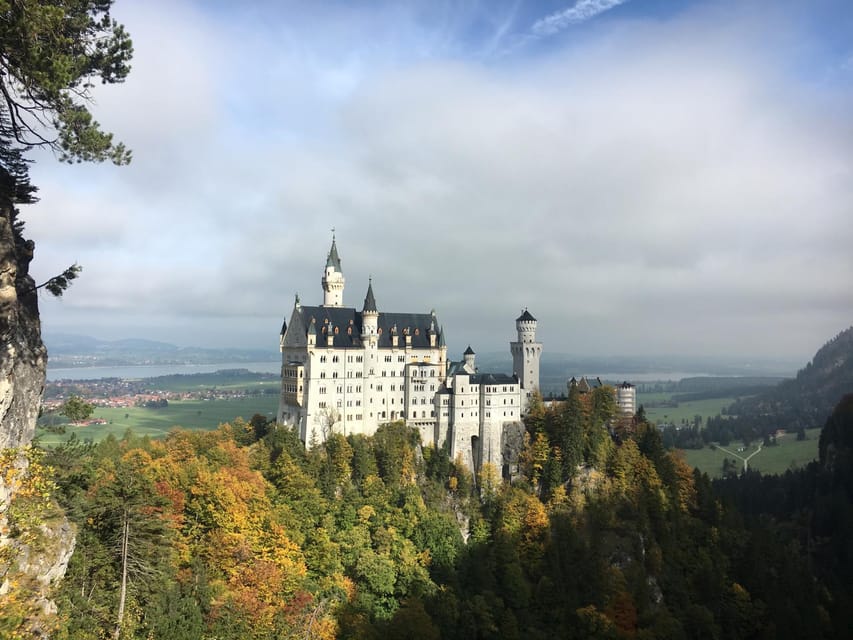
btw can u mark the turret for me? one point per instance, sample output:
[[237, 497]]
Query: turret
[[525, 325], [469, 356], [369, 314], [333, 279]]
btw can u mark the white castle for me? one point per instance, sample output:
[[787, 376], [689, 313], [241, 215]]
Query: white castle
[[349, 371]]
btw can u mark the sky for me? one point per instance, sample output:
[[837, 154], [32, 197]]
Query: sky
[[647, 177]]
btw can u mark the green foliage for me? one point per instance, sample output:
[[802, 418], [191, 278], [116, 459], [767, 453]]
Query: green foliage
[[57, 285], [76, 409], [358, 539], [52, 53]]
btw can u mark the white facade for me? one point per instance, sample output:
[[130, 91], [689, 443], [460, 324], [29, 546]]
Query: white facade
[[626, 398], [350, 371]]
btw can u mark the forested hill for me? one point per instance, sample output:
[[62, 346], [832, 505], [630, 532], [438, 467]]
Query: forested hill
[[807, 400]]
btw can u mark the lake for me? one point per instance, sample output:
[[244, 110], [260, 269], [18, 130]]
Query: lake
[[133, 372]]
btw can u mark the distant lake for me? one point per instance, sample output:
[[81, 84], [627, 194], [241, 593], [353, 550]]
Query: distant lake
[[155, 370]]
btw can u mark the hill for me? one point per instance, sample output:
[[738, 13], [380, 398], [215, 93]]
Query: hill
[[807, 400], [69, 350]]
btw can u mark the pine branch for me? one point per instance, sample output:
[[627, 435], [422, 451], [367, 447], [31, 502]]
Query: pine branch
[[57, 285]]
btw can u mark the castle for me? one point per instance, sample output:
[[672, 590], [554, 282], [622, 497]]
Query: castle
[[349, 371]]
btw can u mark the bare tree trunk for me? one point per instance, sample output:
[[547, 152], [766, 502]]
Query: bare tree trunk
[[125, 535]]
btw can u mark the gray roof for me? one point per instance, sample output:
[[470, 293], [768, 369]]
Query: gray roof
[[494, 378], [348, 323], [284, 326], [369, 300], [526, 316], [469, 351], [333, 260]]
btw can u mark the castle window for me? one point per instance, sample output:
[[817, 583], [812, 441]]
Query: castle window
[[322, 358], [322, 405], [322, 374], [359, 358], [334, 374]]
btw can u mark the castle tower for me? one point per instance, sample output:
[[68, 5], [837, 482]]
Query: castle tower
[[526, 352], [469, 356], [333, 279], [369, 317]]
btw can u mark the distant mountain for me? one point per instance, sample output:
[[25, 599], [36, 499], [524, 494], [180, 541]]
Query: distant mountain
[[70, 350], [807, 400]]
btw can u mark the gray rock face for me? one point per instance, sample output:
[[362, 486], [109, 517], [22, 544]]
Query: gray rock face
[[23, 357], [23, 361]]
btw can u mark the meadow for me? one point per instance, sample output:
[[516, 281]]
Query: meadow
[[787, 453], [156, 423], [684, 411]]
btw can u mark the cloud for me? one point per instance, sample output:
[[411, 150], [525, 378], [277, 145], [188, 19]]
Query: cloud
[[663, 186], [581, 11]]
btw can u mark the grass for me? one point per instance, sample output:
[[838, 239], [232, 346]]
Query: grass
[[156, 423], [787, 454], [684, 411], [227, 380]]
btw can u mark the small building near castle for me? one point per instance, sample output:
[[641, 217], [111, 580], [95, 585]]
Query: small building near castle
[[625, 393], [349, 371]]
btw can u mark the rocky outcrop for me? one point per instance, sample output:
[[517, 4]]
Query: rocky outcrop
[[23, 357], [32, 559]]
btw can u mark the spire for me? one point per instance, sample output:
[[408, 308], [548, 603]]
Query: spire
[[333, 278], [369, 299], [469, 351], [283, 327], [441, 342], [525, 316], [334, 260]]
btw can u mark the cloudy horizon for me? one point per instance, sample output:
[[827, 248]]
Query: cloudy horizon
[[645, 178]]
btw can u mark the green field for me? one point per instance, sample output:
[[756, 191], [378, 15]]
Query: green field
[[189, 414], [786, 454], [684, 410], [225, 380]]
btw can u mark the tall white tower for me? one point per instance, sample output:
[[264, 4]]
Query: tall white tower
[[333, 279], [526, 352]]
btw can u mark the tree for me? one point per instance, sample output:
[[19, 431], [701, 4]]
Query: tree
[[76, 409], [51, 54]]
